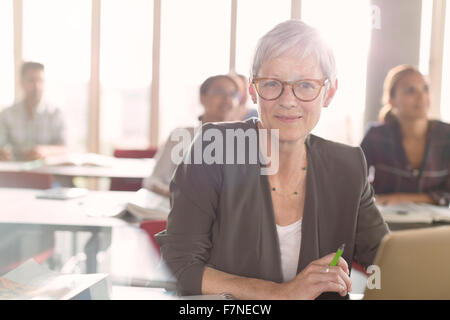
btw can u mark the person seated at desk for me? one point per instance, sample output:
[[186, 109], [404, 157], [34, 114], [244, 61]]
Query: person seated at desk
[[257, 234], [32, 128], [409, 152], [218, 96], [242, 112]]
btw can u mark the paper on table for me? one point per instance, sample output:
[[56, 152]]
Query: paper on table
[[439, 213], [62, 193], [80, 159], [31, 281], [149, 205], [414, 213]]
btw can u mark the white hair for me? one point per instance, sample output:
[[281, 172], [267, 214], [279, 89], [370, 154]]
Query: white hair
[[294, 37]]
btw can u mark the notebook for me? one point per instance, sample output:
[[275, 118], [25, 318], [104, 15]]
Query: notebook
[[415, 213]]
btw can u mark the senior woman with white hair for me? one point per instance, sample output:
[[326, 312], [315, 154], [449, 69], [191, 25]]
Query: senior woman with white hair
[[232, 229]]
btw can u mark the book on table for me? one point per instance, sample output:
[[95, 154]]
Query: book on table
[[415, 213], [148, 205], [143, 205]]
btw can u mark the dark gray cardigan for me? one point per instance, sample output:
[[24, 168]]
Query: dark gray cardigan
[[222, 215]]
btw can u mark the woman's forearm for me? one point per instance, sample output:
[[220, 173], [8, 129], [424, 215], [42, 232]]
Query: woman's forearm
[[217, 282]]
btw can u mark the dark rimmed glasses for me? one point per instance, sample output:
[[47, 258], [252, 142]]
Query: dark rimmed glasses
[[305, 90]]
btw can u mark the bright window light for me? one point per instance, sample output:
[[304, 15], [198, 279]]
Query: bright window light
[[445, 94], [6, 54], [346, 25], [425, 36], [125, 73], [195, 37], [57, 34], [254, 19]]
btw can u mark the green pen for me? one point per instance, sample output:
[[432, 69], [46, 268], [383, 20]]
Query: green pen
[[338, 254]]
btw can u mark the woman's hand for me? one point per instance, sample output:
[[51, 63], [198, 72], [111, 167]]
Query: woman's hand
[[318, 277]]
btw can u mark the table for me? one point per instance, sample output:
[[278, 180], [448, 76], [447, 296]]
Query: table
[[21, 209], [117, 168], [413, 215]]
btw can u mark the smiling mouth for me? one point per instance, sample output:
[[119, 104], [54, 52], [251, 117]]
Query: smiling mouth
[[288, 118]]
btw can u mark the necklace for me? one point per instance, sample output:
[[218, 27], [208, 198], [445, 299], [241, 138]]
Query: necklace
[[295, 193]]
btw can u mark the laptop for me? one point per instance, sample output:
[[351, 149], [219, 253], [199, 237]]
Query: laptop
[[413, 264]]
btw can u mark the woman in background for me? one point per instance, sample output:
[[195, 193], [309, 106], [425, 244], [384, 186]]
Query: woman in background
[[218, 96], [409, 152]]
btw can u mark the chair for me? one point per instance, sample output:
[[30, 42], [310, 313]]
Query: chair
[[130, 184], [356, 266], [20, 179], [152, 227]]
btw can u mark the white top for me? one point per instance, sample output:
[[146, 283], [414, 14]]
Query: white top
[[290, 237]]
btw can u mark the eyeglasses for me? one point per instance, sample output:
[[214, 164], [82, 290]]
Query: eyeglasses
[[305, 90]]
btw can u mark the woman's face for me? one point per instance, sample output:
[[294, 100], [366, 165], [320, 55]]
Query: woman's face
[[219, 100], [411, 98], [295, 119]]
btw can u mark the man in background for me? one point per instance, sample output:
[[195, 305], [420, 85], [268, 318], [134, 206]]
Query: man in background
[[31, 128]]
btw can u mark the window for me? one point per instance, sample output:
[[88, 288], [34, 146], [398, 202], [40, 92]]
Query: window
[[348, 33], [125, 73], [445, 95], [195, 37], [57, 34], [254, 19], [6, 54], [425, 37]]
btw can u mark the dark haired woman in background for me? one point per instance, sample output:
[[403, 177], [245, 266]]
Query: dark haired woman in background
[[409, 152], [218, 96]]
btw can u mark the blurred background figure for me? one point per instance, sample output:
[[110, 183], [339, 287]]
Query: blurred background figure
[[242, 111], [219, 95], [31, 128], [408, 152]]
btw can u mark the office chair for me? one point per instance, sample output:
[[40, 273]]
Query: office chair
[[130, 184], [152, 227], [356, 266]]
